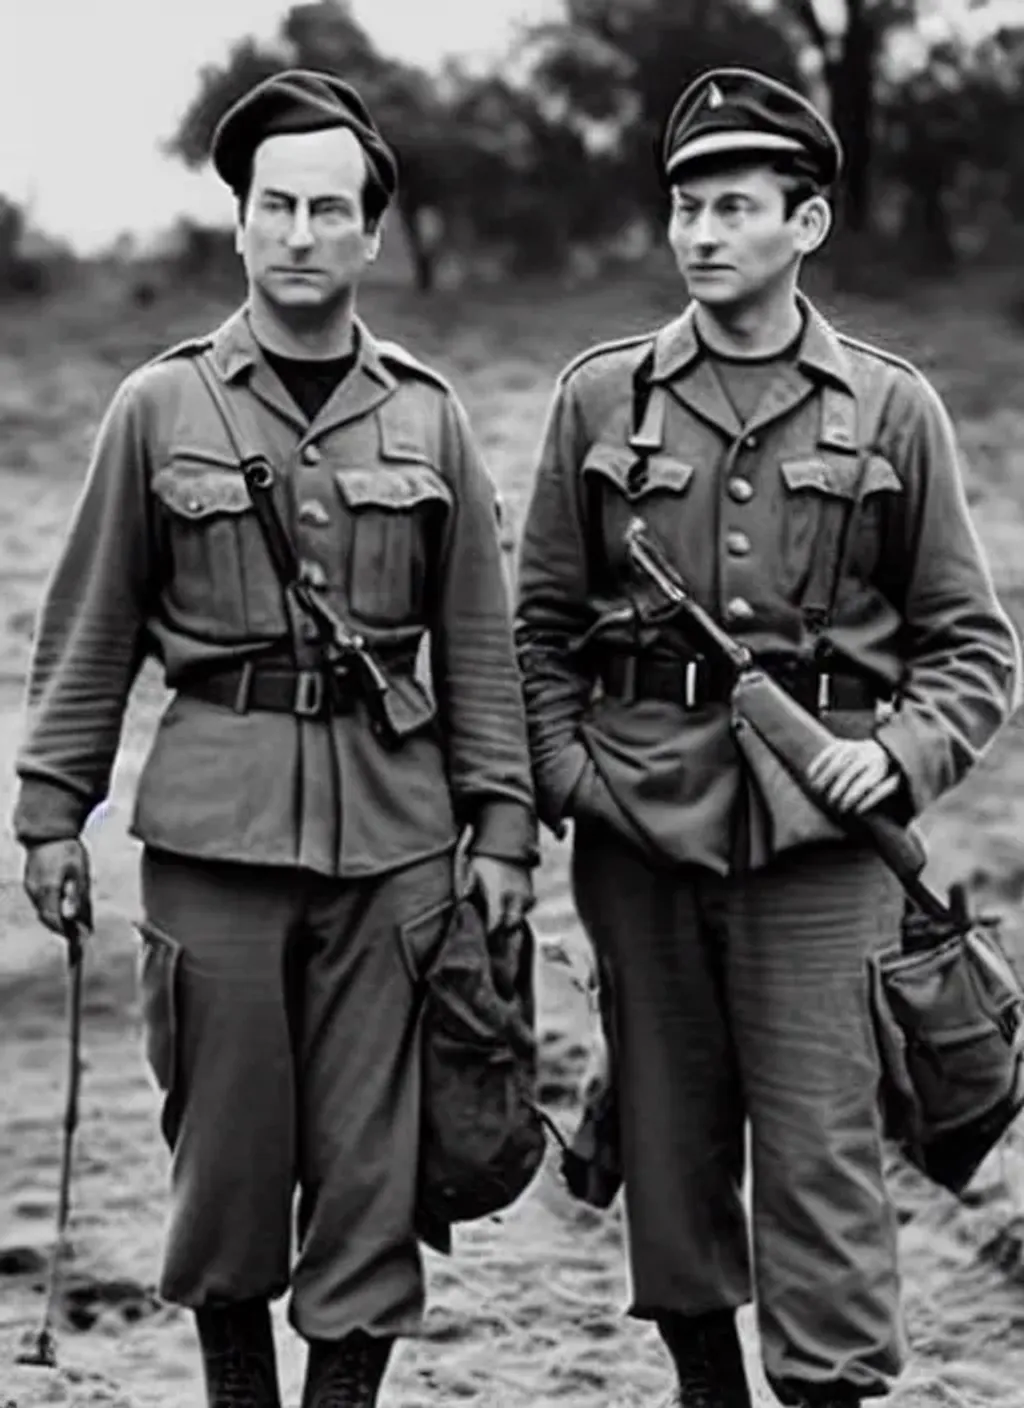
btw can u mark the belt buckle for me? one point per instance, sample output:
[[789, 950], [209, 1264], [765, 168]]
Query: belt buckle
[[309, 694], [824, 692], [690, 684]]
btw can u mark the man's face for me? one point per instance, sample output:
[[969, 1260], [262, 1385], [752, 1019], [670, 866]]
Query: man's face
[[731, 237], [303, 238]]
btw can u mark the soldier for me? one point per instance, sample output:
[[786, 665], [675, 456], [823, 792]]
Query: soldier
[[737, 967], [297, 871]]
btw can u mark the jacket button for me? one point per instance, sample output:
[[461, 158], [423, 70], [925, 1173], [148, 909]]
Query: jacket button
[[737, 544], [739, 609], [313, 511], [311, 455], [312, 573], [741, 491]]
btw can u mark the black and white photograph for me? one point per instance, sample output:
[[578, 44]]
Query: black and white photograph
[[511, 610]]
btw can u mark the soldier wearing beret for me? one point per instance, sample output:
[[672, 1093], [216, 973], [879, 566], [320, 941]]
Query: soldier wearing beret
[[297, 869], [735, 958]]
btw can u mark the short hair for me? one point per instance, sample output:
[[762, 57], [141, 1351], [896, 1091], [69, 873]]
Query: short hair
[[798, 181], [799, 184], [375, 197]]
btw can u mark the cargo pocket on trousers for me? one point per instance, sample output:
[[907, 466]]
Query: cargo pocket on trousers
[[158, 988], [420, 938]]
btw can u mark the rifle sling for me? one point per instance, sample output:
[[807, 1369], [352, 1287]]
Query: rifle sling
[[246, 456], [825, 578]]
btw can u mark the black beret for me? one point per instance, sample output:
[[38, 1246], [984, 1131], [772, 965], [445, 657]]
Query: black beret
[[734, 110], [297, 100]]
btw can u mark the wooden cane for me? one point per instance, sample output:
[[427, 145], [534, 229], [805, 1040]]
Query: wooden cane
[[42, 1349]]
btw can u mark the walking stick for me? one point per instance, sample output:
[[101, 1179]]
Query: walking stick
[[42, 1349]]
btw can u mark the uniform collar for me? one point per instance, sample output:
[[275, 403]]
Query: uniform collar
[[235, 349], [236, 353], [677, 347]]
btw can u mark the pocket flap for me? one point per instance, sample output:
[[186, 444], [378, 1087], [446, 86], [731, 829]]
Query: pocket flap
[[616, 462], [839, 477], [195, 489], [392, 487], [881, 478]]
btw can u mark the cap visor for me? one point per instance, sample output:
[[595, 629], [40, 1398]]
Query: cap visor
[[724, 143]]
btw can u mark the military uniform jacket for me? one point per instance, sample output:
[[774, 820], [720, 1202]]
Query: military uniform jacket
[[392, 515], [742, 512]]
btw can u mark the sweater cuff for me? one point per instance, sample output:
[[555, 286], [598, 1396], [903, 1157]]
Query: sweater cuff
[[506, 831], [47, 811]]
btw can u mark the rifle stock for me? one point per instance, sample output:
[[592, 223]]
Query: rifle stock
[[793, 736], [796, 738]]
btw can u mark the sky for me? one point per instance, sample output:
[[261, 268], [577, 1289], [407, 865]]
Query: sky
[[90, 88]]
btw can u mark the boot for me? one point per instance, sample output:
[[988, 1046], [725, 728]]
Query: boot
[[345, 1373], [709, 1362], [239, 1363]]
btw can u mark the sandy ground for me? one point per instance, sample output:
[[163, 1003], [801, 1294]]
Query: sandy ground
[[529, 1311]]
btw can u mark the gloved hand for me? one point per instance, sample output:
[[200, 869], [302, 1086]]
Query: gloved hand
[[57, 881]]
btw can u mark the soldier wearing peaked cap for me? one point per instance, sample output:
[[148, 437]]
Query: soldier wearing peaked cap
[[733, 955], [297, 871]]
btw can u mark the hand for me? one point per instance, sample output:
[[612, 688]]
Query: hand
[[854, 775], [57, 882], [506, 890]]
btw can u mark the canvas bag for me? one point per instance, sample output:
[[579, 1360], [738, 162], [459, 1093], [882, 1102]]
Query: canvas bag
[[946, 1003], [482, 1135], [949, 1017]]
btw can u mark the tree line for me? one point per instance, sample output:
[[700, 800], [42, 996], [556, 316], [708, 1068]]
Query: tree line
[[552, 151], [553, 148]]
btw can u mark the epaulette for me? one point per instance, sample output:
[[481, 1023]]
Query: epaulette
[[879, 352], [618, 344], [395, 354], [190, 347]]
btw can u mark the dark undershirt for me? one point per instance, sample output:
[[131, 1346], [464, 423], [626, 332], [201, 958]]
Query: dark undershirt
[[745, 379], [311, 381]]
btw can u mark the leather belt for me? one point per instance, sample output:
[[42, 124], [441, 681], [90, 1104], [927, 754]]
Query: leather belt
[[694, 682], [274, 689]]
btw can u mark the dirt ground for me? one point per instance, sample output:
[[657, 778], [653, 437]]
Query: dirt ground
[[529, 1311]]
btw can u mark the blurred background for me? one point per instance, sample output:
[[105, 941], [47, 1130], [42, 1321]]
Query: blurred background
[[526, 132], [530, 224]]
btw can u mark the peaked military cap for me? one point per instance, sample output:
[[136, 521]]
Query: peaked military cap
[[735, 110], [297, 100]]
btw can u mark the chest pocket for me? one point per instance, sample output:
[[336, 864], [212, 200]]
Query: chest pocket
[[819, 492], [219, 579], [395, 521], [618, 485]]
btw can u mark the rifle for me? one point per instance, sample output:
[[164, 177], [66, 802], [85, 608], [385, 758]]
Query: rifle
[[343, 650], [779, 723], [946, 1002]]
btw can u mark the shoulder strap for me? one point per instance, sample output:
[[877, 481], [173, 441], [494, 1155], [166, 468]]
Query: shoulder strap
[[257, 470], [873, 395]]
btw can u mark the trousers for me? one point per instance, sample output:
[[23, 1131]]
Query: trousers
[[281, 1018], [741, 1003]]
